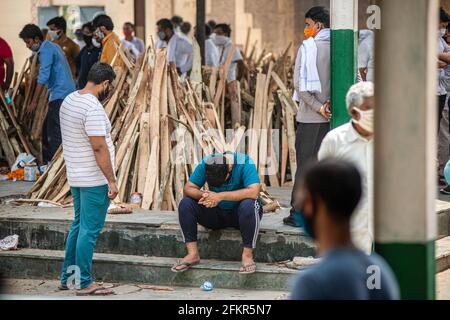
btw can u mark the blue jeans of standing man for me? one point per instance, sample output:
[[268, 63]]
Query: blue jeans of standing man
[[90, 206]]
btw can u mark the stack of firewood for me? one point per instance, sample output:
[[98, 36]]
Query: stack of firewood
[[162, 126]]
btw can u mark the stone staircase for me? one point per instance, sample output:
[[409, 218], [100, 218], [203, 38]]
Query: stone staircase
[[141, 248]]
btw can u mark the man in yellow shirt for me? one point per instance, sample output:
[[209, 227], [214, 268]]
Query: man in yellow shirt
[[104, 33]]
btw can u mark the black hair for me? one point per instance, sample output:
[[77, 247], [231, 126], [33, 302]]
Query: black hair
[[103, 20], [212, 24], [216, 170], [176, 20], [100, 72], [59, 23], [225, 28], [207, 30], [337, 183], [185, 27], [88, 25], [319, 14], [165, 24], [129, 24], [443, 15], [31, 31]]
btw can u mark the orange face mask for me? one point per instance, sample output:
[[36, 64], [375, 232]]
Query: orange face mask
[[309, 32]]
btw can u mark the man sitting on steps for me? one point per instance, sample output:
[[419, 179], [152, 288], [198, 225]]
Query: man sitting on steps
[[231, 201]]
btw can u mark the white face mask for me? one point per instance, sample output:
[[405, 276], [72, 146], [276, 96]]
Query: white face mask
[[95, 43], [53, 34], [220, 40], [442, 32], [365, 119]]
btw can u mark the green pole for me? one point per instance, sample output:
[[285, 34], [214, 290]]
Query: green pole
[[344, 37], [405, 220]]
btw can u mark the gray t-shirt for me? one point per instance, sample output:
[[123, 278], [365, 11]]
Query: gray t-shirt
[[346, 274]]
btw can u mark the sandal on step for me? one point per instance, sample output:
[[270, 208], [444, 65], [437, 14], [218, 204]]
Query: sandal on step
[[185, 266], [248, 269]]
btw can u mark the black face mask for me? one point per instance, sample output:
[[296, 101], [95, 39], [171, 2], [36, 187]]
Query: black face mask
[[87, 39], [104, 94]]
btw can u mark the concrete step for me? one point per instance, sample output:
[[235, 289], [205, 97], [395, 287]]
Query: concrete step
[[152, 233], [443, 254], [46, 264]]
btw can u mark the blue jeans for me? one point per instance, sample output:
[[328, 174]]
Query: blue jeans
[[90, 206]]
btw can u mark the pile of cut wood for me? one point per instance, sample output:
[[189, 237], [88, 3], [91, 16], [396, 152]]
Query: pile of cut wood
[[162, 126], [19, 132]]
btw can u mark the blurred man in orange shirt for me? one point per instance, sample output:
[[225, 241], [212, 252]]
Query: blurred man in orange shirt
[[104, 33]]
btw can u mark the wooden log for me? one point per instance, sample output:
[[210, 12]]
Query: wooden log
[[152, 175], [144, 151]]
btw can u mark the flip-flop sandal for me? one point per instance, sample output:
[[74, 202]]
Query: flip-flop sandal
[[63, 287], [184, 264], [99, 291], [248, 269]]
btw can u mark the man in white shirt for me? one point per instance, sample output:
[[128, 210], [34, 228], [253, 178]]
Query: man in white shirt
[[235, 72], [134, 44], [88, 152], [353, 141], [179, 50], [366, 56], [212, 54]]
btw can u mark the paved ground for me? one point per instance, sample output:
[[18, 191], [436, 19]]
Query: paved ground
[[443, 285], [39, 289]]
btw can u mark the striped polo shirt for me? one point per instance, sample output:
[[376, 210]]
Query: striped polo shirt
[[82, 116]]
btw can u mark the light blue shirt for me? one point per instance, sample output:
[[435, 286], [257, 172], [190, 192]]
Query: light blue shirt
[[242, 175], [54, 71]]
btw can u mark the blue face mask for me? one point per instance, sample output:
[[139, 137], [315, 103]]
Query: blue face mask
[[301, 220]]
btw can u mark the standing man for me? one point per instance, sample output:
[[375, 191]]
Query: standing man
[[6, 65], [353, 142], [231, 201], [212, 54], [236, 71], [54, 72], [108, 38], [57, 32], [329, 192], [312, 92], [89, 155], [179, 50], [366, 55], [176, 21], [78, 32], [88, 56], [131, 42]]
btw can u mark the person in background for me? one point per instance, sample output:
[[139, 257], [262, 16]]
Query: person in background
[[366, 55], [353, 142], [212, 54], [185, 28], [212, 25], [312, 92], [104, 33], [232, 201], [6, 65], [444, 128], [57, 32], [443, 74], [176, 21], [179, 50], [88, 152], [78, 32], [343, 271], [88, 56], [235, 72], [132, 43], [54, 72]]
